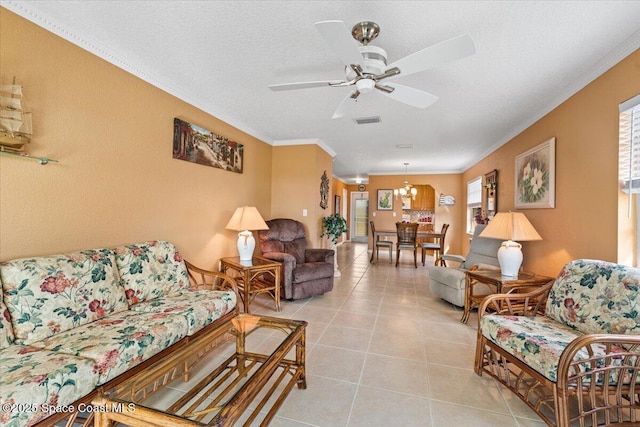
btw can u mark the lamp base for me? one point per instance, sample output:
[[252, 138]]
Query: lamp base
[[246, 245], [510, 258]]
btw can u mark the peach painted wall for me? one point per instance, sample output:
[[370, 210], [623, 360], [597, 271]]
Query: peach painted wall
[[444, 183], [289, 197], [586, 219], [116, 182]]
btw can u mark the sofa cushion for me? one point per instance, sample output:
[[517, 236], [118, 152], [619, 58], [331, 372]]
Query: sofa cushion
[[537, 341], [35, 381], [6, 330], [120, 341], [51, 294], [312, 271], [200, 308], [151, 270], [596, 297]]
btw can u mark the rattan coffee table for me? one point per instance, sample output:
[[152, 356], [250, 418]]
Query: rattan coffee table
[[248, 388]]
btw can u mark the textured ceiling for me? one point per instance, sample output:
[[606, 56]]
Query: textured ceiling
[[221, 56]]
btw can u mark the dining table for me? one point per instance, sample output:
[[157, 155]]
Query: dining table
[[422, 235]]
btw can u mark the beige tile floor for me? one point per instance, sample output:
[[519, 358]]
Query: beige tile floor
[[382, 351]]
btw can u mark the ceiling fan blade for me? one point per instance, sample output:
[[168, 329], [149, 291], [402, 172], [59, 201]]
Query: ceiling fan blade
[[303, 85], [433, 56], [410, 96], [346, 105], [339, 38]]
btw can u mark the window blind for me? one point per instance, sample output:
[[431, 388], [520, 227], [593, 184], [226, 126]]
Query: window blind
[[629, 146], [474, 193]]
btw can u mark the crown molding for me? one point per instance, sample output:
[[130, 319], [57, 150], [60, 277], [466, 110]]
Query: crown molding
[[306, 141], [614, 57], [28, 10]]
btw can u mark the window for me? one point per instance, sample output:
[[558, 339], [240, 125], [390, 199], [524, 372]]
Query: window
[[629, 175], [629, 149], [474, 202]]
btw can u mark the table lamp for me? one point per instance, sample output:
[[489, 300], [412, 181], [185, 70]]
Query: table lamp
[[510, 226], [244, 220]]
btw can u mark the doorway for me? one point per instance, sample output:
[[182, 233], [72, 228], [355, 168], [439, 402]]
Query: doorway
[[360, 216]]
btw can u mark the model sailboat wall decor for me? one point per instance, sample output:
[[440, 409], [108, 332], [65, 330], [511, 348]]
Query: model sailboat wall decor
[[15, 119], [16, 126]]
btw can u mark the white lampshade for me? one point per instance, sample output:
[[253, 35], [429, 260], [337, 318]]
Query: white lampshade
[[510, 226], [245, 219]]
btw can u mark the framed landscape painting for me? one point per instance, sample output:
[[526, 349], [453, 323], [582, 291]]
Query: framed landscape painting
[[385, 200], [195, 144], [536, 177]]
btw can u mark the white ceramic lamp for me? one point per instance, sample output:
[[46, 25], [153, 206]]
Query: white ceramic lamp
[[510, 226], [244, 220]]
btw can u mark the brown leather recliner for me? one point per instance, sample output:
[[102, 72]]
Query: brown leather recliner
[[306, 272]]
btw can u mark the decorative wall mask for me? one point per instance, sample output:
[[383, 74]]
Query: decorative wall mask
[[324, 190]]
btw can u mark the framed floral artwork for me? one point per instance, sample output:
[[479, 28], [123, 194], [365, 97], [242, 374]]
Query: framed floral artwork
[[385, 200], [536, 177]]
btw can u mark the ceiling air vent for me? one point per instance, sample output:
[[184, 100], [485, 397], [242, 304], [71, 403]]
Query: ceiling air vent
[[367, 120], [404, 146]]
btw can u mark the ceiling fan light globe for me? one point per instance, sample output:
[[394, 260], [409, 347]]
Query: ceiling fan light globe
[[365, 85]]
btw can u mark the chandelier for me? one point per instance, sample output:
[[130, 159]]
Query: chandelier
[[408, 190]]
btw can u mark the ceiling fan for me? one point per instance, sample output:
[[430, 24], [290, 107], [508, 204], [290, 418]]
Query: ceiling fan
[[366, 65]]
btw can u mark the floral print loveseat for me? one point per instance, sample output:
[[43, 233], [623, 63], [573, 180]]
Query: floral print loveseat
[[570, 350], [71, 323]]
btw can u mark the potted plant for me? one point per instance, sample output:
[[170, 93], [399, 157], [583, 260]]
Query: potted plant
[[333, 226]]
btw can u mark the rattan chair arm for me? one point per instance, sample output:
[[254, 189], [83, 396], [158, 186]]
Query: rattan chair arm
[[209, 279], [515, 304], [622, 352]]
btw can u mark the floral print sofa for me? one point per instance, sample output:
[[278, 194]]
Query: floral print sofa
[[571, 349], [72, 323]]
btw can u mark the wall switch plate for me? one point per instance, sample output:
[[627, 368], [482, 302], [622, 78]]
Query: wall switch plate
[[394, 214], [304, 212], [374, 214]]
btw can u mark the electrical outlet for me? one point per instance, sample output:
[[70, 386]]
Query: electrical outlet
[[304, 212], [394, 214]]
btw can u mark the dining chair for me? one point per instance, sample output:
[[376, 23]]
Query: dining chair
[[437, 247], [407, 240], [380, 244]]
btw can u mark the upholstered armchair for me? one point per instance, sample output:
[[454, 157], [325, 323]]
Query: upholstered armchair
[[306, 272], [449, 283]]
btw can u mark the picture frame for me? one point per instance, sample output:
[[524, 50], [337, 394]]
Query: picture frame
[[198, 145], [336, 208], [535, 175], [491, 193], [406, 203], [384, 201]]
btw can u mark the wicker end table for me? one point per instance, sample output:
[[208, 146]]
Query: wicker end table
[[497, 284], [250, 276]]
